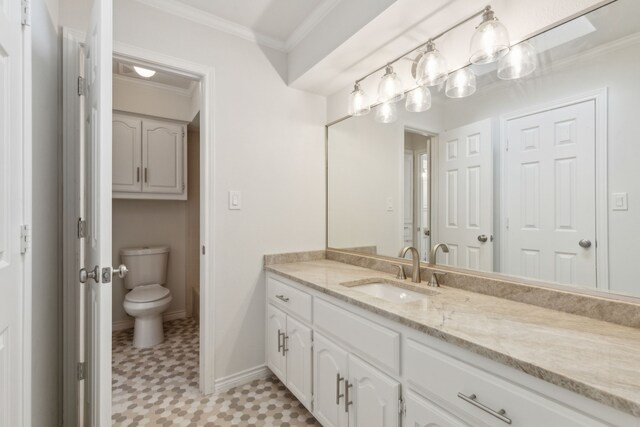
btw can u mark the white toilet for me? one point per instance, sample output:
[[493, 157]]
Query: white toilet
[[147, 299]]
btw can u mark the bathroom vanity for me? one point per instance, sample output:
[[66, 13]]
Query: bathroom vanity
[[444, 357]]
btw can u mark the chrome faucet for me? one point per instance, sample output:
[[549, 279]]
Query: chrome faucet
[[415, 258], [433, 280]]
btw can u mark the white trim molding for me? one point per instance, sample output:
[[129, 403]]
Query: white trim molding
[[242, 378]]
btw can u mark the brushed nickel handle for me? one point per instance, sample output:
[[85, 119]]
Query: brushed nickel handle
[[121, 271], [401, 274], [339, 379], [282, 298], [347, 402], [498, 414], [146, 175], [285, 339], [138, 174], [92, 274], [482, 238], [584, 243], [280, 345]]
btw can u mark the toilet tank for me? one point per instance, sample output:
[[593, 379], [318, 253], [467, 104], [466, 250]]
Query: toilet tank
[[147, 265]]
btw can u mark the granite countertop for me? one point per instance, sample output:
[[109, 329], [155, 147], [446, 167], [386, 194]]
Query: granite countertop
[[596, 359]]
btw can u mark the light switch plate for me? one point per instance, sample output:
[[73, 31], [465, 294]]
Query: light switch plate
[[235, 200], [619, 201]]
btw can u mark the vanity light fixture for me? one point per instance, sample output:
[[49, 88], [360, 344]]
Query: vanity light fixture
[[461, 83], [390, 88], [358, 102], [418, 99], [490, 42], [521, 61], [432, 67], [387, 112], [144, 72]]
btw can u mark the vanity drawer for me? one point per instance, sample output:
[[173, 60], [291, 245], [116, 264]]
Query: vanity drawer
[[373, 342], [451, 382], [290, 299]]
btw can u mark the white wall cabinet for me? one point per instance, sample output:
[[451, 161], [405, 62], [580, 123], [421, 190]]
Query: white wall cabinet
[[149, 158], [289, 353]]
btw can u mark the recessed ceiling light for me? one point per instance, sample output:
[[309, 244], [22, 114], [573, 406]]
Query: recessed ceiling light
[[144, 72]]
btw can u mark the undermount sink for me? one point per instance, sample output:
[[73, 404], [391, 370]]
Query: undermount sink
[[390, 291]]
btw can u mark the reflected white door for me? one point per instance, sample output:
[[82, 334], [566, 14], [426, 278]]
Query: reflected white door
[[408, 199], [12, 215], [97, 182], [423, 231], [465, 196], [550, 195]]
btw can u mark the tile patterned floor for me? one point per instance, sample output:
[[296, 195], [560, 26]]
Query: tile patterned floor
[[159, 387]]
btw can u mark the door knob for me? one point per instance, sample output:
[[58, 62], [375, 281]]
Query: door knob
[[92, 274], [121, 271], [585, 243], [483, 238]]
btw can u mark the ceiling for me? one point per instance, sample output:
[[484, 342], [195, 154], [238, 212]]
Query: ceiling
[[279, 20], [125, 68]]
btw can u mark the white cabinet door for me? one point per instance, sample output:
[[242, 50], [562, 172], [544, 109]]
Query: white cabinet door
[[127, 154], [163, 150], [329, 373], [374, 396], [422, 413], [276, 330], [299, 355]]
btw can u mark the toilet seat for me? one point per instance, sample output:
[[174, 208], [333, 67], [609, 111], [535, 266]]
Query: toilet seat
[[147, 293]]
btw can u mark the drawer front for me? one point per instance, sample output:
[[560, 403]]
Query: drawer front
[[290, 299], [374, 343], [453, 384]]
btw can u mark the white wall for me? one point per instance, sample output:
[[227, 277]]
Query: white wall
[[269, 144], [46, 373]]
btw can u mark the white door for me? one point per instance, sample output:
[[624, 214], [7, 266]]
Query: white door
[[127, 154], [162, 153], [374, 396], [422, 197], [550, 195], [276, 331], [465, 196], [12, 216], [299, 356], [408, 198], [329, 373], [423, 413], [97, 200]]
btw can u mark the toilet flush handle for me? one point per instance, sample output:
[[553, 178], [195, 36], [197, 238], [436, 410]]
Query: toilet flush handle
[[121, 271]]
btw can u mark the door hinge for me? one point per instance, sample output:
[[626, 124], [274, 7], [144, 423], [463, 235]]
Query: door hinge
[[81, 371], [402, 407], [204, 250], [25, 6], [82, 86], [82, 228], [25, 238]]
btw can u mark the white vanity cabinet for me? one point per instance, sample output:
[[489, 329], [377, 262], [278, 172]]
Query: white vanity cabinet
[[149, 158]]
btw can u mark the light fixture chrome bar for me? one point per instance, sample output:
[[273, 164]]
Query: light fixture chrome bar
[[437, 36]]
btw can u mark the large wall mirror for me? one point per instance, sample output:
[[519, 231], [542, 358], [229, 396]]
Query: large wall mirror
[[536, 178]]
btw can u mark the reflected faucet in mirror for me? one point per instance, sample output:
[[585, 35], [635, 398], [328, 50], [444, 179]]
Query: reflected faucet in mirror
[[434, 252], [415, 258]]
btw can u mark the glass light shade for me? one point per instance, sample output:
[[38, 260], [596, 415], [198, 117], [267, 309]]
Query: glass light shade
[[390, 88], [418, 100], [432, 67], [144, 72], [461, 83], [521, 61], [358, 102], [490, 42], [387, 112]]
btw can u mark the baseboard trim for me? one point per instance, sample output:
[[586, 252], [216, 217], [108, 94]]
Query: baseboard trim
[[121, 325], [241, 378]]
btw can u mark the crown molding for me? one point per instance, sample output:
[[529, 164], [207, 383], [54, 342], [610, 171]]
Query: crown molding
[[210, 20], [309, 23]]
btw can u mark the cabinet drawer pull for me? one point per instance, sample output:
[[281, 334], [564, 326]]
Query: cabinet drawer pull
[[282, 298], [285, 339], [347, 402], [138, 174], [339, 379], [499, 414], [280, 343], [146, 175]]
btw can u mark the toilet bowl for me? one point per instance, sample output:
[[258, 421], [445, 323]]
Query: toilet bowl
[[147, 298]]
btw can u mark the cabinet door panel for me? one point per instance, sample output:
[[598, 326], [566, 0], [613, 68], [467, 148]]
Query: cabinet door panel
[[162, 157], [423, 413], [329, 361], [298, 351], [374, 395], [276, 328], [126, 149]]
